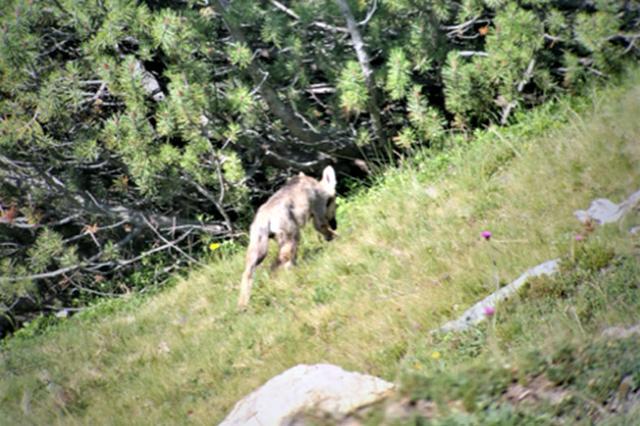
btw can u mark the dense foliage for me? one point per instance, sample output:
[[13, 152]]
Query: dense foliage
[[135, 133]]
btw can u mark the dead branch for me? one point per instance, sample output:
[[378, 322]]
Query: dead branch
[[171, 244], [319, 24], [85, 203], [467, 53], [525, 79]]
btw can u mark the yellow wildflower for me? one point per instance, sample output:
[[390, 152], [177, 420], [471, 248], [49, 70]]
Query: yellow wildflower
[[214, 246], [435, 355]]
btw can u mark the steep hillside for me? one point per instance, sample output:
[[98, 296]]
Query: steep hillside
[[410, 257]]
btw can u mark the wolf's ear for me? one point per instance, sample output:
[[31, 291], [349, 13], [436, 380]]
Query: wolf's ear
[[329, 177]]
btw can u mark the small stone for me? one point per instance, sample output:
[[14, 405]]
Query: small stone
[[163, 348], [398, 410], [432, 192], [62, 314]]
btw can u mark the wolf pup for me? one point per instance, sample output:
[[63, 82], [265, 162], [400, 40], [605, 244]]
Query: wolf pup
[[283, 216]]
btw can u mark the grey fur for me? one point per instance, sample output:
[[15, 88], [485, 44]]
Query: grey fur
[[282, 217]]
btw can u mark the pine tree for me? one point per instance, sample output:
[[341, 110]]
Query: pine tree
[[136, 131]]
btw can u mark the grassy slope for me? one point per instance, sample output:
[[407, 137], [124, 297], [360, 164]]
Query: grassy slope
[[406, 262], [559, 353]]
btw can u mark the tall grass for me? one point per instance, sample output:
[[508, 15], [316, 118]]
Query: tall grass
[[409, 258]]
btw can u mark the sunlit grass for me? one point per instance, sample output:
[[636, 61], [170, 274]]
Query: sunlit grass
[[545, 356], [410, 257]]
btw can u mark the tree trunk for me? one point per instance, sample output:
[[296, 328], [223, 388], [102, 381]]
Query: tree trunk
[[363, 59]]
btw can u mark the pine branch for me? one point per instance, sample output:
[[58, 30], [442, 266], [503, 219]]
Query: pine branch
[[277, 107], [83, 203]]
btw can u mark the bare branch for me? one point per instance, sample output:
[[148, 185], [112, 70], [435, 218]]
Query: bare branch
[[285, 9], [259, 85], [209, 196], [283, 162], [467, 53], [85, 202], [319, 24], [321, 88], [460, 29], [462, 26], [171, 244], [552, 38], [525, 79], [121, 264], [50, 274], [91, 291], [370, 13]]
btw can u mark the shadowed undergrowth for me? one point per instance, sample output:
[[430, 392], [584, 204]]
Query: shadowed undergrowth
[[409, 258]]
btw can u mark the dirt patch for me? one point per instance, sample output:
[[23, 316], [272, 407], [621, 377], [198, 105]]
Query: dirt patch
[[537, 390]]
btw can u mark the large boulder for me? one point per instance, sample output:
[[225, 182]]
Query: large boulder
[[320, 389]]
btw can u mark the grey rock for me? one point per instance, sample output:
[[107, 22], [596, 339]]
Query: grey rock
[[319, 388], [604, 211], [621, 332], [476, 313]]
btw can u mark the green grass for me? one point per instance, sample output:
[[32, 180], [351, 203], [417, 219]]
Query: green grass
[[543, 357], [406, 262]]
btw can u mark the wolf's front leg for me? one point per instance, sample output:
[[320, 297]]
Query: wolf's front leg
[[288, 248], [322, 226]]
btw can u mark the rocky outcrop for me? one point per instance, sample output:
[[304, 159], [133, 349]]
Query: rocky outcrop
[[601, 211], [486, 306], [323, 389], [604, 211]]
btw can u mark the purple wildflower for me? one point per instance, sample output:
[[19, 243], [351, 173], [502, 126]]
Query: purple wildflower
[[489, 310], [486, 235]]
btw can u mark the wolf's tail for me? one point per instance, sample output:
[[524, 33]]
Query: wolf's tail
[[256, 252]]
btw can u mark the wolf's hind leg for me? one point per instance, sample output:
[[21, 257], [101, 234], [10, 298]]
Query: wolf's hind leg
[[255, 255]]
